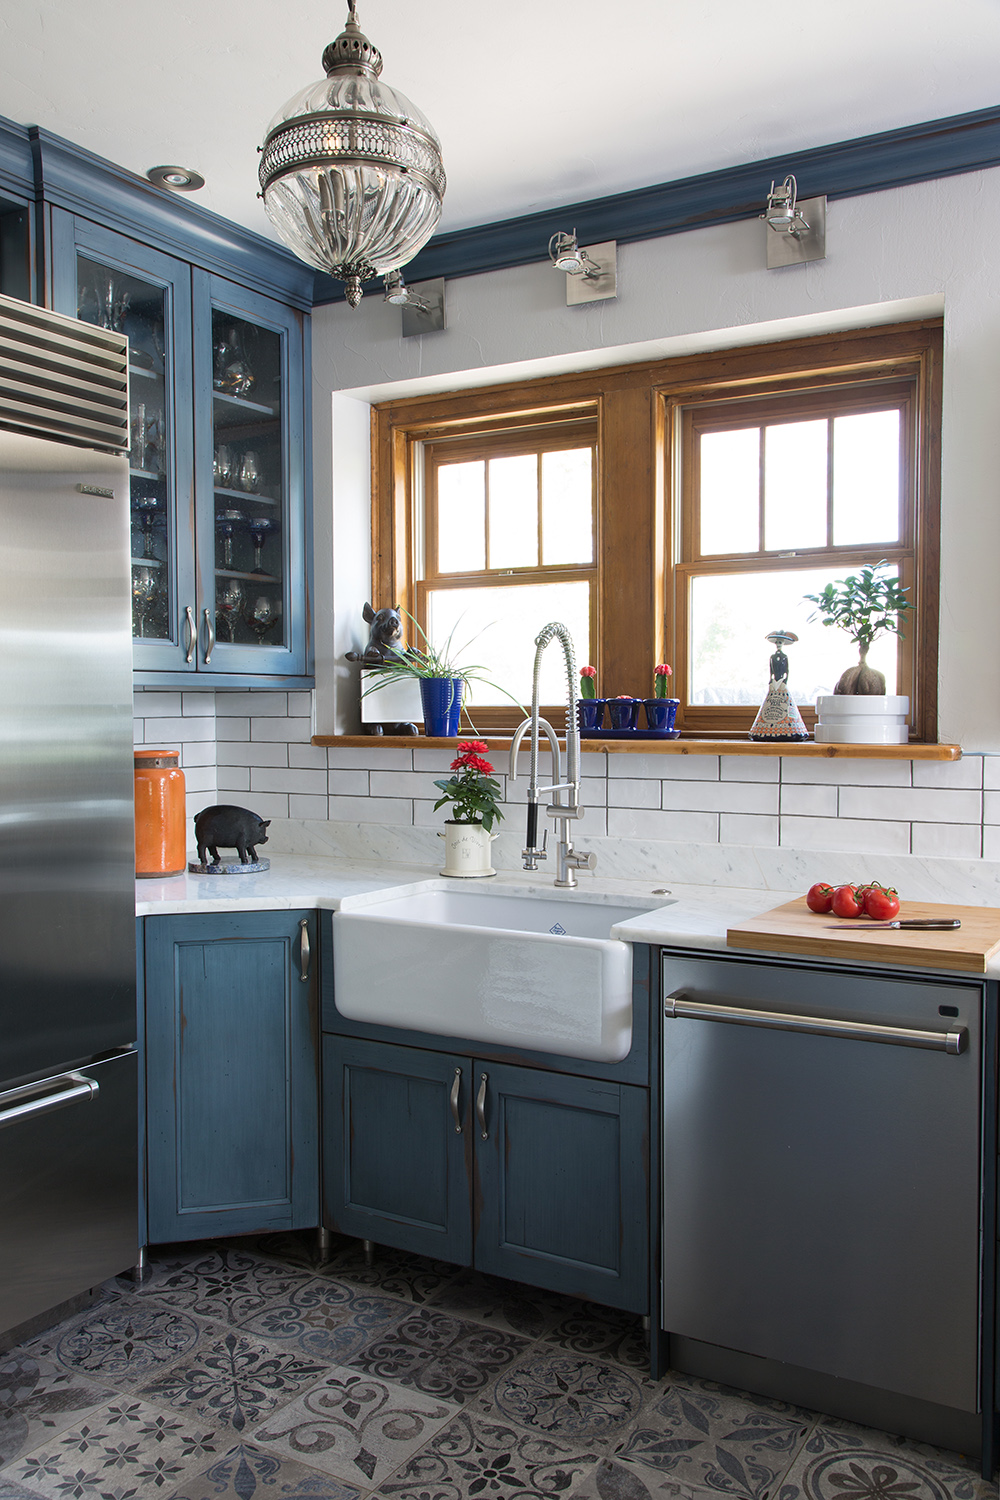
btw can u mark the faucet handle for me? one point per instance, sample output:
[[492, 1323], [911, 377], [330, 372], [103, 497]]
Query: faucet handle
[[531, 855], [577, 861]]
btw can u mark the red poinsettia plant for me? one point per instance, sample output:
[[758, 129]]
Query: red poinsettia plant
[[472, 790]]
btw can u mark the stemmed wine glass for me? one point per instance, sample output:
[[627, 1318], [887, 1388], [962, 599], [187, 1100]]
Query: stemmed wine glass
[[250, 472], [147, 507], [226, 523], [144, 589], [222, 466], [262, 617], [260, 529], [230, 602]]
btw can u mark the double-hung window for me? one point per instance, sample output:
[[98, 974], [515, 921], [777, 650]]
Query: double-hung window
[[677, 511]]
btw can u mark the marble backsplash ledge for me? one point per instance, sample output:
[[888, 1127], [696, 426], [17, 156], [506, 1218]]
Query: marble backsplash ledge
[[967, 882]]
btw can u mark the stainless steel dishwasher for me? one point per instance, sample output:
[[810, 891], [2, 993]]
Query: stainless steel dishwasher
[[821, 1170]]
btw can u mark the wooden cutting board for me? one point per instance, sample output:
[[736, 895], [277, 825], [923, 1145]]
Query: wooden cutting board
[[793, 928]]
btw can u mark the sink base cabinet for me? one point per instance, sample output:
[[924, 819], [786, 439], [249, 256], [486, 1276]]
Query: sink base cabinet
[[536, 1176], [231, 1085]]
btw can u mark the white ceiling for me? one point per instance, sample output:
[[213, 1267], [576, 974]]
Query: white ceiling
[[537, 103]]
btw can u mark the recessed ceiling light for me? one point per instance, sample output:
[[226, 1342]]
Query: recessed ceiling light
[[178, 179]]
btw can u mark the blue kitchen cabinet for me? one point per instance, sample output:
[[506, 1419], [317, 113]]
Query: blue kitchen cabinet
[[537, 1176], [217, 380], [231, 1074]]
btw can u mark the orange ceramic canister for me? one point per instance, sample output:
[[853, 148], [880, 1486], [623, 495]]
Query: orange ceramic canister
[[160, 842]]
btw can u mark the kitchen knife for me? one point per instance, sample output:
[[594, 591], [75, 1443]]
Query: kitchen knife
[[926, 922]]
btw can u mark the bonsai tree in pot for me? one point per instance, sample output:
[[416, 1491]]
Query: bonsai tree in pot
[[864, 604]]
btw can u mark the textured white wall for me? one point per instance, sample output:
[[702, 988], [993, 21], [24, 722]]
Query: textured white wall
[[892, 255]]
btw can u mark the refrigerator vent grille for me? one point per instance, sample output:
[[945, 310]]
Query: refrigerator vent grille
[[62, 379]]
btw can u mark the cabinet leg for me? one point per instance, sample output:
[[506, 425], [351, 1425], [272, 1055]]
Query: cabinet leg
[[368, 1246], [141, 1268], [323, 1244]]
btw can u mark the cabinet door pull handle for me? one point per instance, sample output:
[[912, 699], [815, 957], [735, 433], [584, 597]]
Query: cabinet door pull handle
[[481, 1108], [191, 632], [709, 1008], [304, 950], [453, 1101], [210, 637]]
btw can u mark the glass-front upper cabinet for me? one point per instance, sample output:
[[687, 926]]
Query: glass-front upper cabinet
[[217, 467], [249, 444], [114, 282]]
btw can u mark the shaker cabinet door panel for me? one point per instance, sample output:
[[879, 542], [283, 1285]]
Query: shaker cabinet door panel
[[395, 1167], [231, 1076], [562, 1168]]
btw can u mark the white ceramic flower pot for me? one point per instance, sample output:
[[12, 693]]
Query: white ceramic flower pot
[[466, 850], [862, 719], [390, 702]]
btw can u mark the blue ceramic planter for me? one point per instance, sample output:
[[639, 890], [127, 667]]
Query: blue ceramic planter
[[591, 712], [660, 712], [442, 704], [624, 712]]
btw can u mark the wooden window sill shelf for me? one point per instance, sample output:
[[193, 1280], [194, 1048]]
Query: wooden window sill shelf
[[804, 749]]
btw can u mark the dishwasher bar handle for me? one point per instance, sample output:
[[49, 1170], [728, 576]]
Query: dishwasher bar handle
[[30, 1102], [678, 1007]]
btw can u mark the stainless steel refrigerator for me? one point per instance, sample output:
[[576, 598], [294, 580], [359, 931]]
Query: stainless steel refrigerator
[[68, 1061]]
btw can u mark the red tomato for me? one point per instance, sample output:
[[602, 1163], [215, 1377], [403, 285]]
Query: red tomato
[[819, 897], [881, 903], [847, 902]]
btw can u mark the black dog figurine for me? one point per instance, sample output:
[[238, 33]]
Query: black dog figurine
[[384, 642]]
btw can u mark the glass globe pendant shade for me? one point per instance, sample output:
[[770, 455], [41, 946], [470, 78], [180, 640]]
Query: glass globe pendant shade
[[350, 170]]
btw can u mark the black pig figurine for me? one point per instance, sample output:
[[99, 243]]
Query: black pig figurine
[[233, 828], [385, 641]]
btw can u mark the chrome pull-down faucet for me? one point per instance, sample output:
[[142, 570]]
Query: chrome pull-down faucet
[[568, 860]]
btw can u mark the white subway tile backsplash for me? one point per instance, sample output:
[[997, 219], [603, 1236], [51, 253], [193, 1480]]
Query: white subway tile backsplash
[[240, 753], [200, 779], [300, 702], [401, 784], [356, 757], [668, 767], [371, 810], [157, 705], [257, 703], [300, 806], [809, 801], [750, 767], [851, 771], [198, 705], [289, 730], [991, 842], [268, 804], [955, 775], [283, 779], [947, 840], [172, 733], [308, 757], [348, 783], [438, 762], [232, 728], [622, 793], [866, 836], [198, 753], [991, 807], [721, 796], [916, 804], [746, 828], [233, 779], [677, 827], [991, 772]]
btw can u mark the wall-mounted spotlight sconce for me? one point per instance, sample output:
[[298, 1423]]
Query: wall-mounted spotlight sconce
[[591, 271], [796, 231], [422, 306]]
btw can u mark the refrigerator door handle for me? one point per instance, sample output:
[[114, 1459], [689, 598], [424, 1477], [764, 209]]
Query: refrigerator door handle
[[680, 1004], [26, 1101]]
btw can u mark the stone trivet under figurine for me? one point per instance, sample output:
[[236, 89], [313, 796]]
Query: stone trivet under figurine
[[227, 868]]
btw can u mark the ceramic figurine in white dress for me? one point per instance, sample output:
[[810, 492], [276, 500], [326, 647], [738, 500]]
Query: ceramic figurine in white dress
[[779, 718]]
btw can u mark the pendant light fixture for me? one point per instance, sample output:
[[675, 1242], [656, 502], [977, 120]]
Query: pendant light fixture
[[350, 170]]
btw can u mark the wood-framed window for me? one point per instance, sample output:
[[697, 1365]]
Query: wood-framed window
[[722, 487]]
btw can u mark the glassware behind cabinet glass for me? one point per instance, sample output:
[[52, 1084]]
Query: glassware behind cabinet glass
[[119, 299], [250, 472], [260, 528], [223, 467], [230, 604], [262, 616], [226, 524]]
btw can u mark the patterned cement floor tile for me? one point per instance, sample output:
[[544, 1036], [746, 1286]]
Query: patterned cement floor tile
[[126, 1448], [38, 1400], [245, 1473], [842, 1460], [588, 1328], [121, 1340], [701, 1436], [328, 1319], [392, 1272], [441, 1356], [299, 1247], [569, 1396], [226, 1284], [234, 1379], [611, 1480], [479, 1455], [501, 1304], [354, 1427], [10, 1490]]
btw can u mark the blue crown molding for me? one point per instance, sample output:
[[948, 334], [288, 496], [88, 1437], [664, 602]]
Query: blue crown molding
[[870, 164], [17, 178], [82, 183]]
